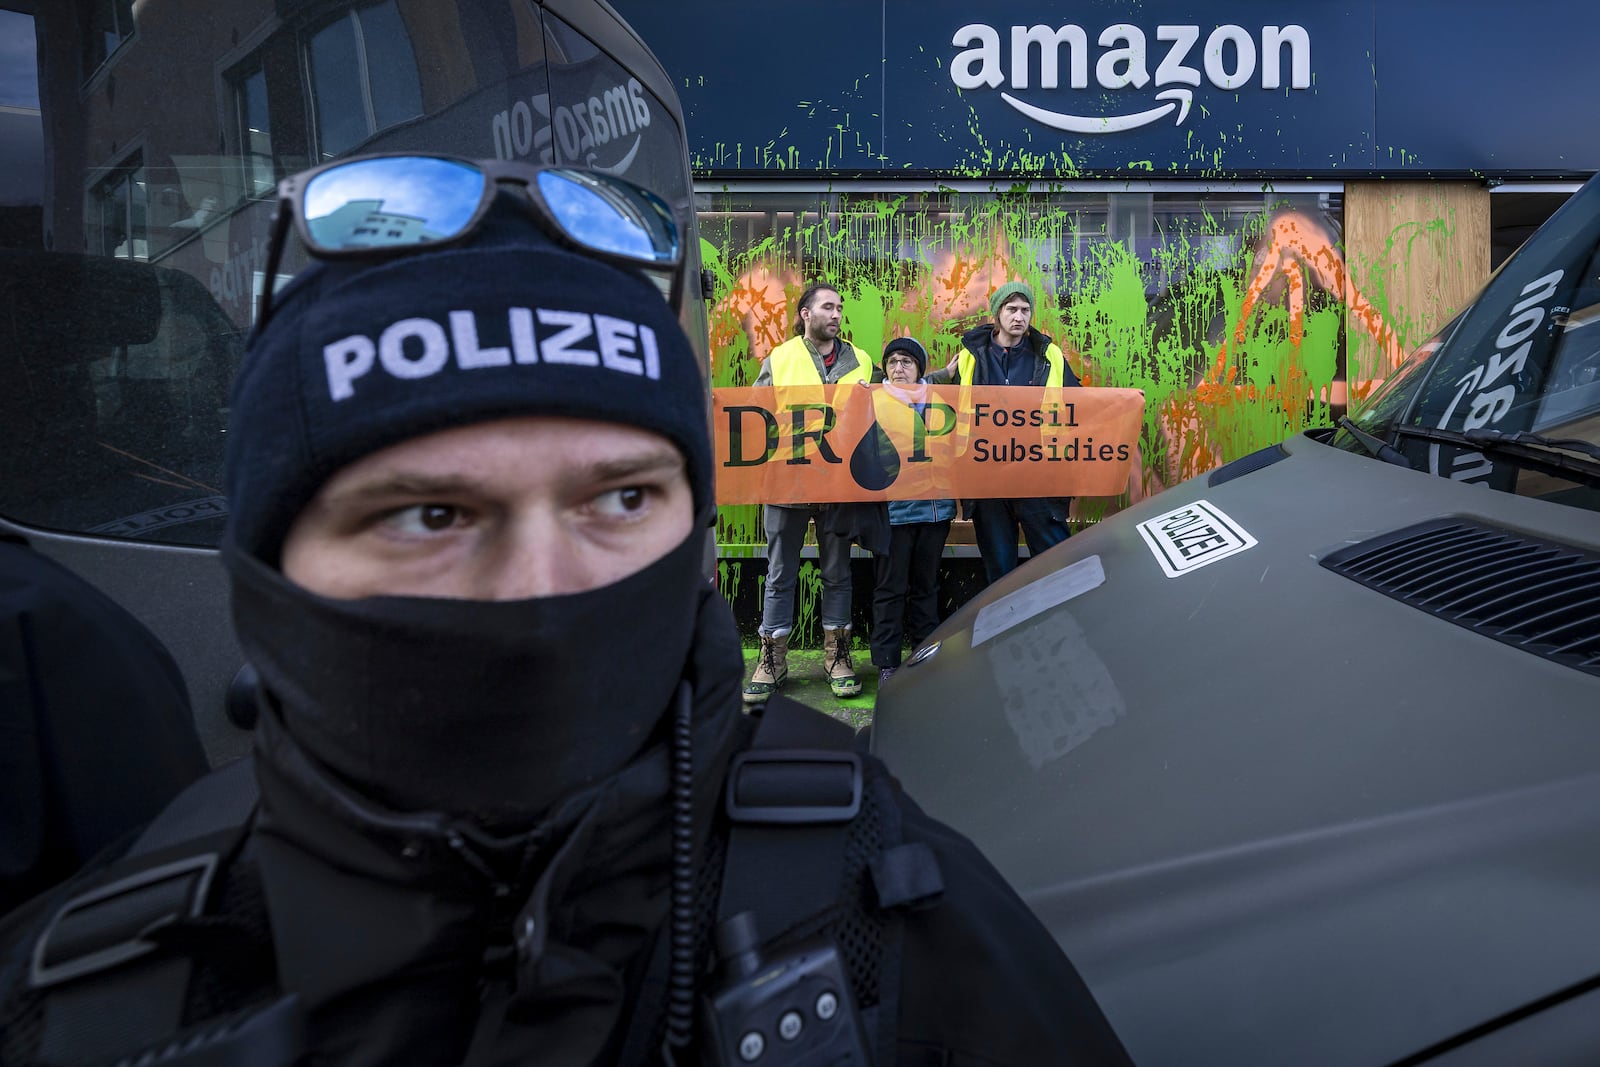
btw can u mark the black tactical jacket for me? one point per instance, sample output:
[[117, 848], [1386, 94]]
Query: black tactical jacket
[[414, 939]]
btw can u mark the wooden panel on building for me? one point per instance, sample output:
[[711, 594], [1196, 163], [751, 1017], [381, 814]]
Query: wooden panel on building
[[1418, 252]]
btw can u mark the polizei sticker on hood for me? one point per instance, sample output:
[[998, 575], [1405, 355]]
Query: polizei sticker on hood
[[1187, 538]]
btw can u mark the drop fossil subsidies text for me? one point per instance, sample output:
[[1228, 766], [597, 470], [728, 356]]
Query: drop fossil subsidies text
[[779, 444]]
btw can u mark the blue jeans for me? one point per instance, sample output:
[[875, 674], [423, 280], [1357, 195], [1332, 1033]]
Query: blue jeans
[[786, 531], [995, 524]]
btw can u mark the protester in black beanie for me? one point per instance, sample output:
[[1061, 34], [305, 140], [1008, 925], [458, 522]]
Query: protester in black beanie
[[499, 704], [905, 594], [912, 348]]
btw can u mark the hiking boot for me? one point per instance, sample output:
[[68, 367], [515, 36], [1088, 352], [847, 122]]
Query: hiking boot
[[836, 662], [884, 674], [772, 669]]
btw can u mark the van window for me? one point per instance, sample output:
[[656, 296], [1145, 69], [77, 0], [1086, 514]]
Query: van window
[[130, 265], [363, 76]]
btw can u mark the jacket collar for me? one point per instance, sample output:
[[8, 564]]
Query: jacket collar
[[387, 925], [976, 339]]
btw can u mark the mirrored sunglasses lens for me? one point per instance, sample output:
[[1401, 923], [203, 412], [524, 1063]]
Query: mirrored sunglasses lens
[[610, 215], [394, 200]]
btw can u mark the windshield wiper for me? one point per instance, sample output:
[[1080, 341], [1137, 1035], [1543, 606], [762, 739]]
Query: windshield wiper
[[1547, 455], [1374, 446], [1554, 445]]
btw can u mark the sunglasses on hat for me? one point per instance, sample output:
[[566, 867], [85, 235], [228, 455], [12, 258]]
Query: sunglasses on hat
[[387, 205]]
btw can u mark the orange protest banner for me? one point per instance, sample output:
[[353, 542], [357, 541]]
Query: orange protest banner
[[834, 443]]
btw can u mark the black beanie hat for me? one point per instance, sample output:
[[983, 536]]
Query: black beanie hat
[[911, 347], [358, 357]]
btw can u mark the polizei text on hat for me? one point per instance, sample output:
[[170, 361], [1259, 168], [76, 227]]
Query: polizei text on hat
[[422, 347]]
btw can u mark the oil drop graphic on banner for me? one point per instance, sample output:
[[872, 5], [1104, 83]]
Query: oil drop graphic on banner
[[875, 461]]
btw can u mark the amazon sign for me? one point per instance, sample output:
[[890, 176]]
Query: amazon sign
[[1042, 71], [1214, 89], [1135, 88], [885, 442]]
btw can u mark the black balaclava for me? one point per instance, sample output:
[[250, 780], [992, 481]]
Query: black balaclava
[[489, 710]]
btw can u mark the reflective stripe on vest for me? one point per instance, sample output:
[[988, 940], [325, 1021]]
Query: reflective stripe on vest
[[792, 364]]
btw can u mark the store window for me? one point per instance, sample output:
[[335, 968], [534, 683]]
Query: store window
[[363, 76], [110, 26], [1225, 306], [1516, 211], [117, 213], [1186, 267]]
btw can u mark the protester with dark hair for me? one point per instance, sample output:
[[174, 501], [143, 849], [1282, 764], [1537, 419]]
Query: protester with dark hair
[[1010, 350], [905, 599], [502, 805], [816, 355]]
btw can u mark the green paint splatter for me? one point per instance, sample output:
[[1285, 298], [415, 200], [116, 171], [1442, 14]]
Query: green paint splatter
[[728, 572], [1170, 319], [1168, 316], [807, 607]]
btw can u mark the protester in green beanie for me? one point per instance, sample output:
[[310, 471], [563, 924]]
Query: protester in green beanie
[[1010, 350], [1006, 292]]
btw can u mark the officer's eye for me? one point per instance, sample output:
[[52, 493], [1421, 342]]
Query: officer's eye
[[625, 502], [423, 519]]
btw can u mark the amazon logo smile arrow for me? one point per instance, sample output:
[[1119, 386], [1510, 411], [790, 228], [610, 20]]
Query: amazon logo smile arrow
[[1107, 123]]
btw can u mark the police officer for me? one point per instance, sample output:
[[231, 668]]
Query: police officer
[[88, 754], [469, 489]]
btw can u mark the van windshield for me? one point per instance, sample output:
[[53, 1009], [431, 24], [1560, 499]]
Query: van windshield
[[1508, 394]]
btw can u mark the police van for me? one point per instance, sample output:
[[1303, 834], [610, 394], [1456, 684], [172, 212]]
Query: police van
[[1300, 759], [141, 146]]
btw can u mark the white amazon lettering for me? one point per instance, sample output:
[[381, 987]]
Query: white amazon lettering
[[1489, 390], [576, 132], [1230, 59], [1172, 70]]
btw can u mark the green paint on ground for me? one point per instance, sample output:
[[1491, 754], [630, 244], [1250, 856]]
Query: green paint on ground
[[808, 683]]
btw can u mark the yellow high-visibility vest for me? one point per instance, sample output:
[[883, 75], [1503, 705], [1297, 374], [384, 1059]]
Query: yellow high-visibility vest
[[899, 419], [792, 364], [966, 363]]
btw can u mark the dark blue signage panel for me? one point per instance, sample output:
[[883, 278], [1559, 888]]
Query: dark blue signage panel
[[772, 85], [1143, 88], [1490, 87], [1159, 87]]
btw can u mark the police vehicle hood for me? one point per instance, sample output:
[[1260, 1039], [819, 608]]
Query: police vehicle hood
[[1273, 813]]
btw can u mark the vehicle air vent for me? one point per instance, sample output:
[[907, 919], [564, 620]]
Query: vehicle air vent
[[1540, 596], [1261, 457]]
